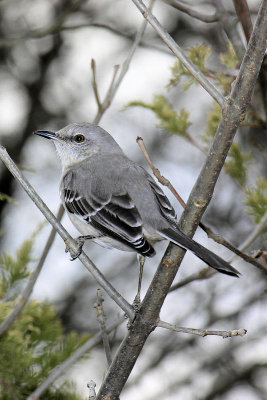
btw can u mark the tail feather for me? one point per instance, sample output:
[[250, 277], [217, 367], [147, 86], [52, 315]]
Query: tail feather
[[214, 261]]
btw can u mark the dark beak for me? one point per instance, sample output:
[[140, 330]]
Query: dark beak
[[46, 134]]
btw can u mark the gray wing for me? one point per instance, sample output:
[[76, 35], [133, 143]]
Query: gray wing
[[115, 215], [163, 202]]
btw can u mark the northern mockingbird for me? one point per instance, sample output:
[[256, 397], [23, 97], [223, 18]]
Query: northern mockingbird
[[115, 202]]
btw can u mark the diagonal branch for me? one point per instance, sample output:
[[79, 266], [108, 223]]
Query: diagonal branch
[[242, 11], [185, 8], [102, 107], [115, 84], [178, 52], [233, 113], [217, 238], [24, 297], [99, 277]]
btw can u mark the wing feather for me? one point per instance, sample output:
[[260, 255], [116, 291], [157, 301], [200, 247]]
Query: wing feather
[[164, 204], [116, 217]]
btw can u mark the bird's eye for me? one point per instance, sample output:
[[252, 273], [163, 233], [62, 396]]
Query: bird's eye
[[79, 138]]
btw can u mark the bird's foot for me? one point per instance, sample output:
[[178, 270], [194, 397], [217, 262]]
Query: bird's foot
[[79, 242]]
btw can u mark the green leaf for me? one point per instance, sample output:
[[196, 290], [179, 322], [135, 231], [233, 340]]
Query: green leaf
[[229, 58], [257, 199], [236, 165], [15, 268], [172, 121], [213, 120], [198, 55], [31, 348], [225, 81], [5, 197]]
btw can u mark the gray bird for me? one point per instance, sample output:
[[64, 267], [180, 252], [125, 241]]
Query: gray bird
[[112, 200]]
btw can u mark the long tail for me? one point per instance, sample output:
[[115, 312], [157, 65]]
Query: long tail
[[214, 261]]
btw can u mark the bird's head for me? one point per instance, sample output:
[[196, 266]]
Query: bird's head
[[77, 142]]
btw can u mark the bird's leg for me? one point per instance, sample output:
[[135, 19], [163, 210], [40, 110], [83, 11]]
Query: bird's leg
[[80, 242], [137, 300]]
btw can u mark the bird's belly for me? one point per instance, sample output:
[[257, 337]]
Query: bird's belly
[[97, 237], [84, 228]]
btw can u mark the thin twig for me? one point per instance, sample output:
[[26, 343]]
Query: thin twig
[[103, 106], [61, 369], [217, 238], [94, 84], [258, 230], [229, 26], [115, 83], [92, 394], [101, 317], [112, 292], [242, 11], [229, 246], [157, 173], [185, 8], [106, 103], [204, 273], [178, 52], [202, 332], [24, 297]]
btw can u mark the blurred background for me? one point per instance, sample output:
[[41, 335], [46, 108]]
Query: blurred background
[[46, 82]]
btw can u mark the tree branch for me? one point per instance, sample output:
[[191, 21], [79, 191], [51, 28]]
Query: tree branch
[[185, 8], [125, 66], [101, 317], [258, 230], [89, 265], [202, 332], [217, 238], [229, 25], [242, 11], [233, 112], [102, 107], [61, 369], [24, 297], [178, 52]]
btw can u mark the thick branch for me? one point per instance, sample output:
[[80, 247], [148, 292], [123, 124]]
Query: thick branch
[[242, 11], [233, 113], [178, 52]]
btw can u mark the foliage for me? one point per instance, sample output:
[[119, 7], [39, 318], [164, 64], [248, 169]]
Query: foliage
[[14, 269], [35, 343], [5, 197], [172, 121], [198, 55], [213, 120], [229, 58], [236, 163], [257, 199]]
